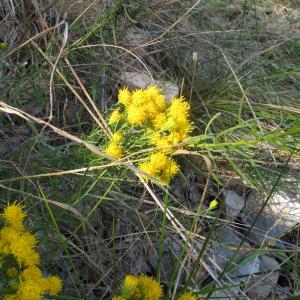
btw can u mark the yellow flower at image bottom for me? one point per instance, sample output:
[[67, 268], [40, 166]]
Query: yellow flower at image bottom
[[150, 288], [187, 296]]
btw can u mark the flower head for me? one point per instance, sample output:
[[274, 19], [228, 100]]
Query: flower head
[[170, 171], [129, 286], [117, 137], [115, 117], [13, 215], [136, 115], [23, 248], [124, 96], [31, 273], [30, 290], [213, 204], [139, 98], [140, 288], [159, 120], [114, 150], [161, 166], [150, 288], [52, 285], [8, 236], [187, 296]]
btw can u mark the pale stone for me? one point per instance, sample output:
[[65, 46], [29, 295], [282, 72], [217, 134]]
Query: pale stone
[[234, 203]]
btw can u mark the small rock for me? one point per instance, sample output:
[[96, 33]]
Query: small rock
[[281, 213], [234, 203], [245, 270], [136, 80], [142, 80], [262, 285], [170, 89], [227, 240]]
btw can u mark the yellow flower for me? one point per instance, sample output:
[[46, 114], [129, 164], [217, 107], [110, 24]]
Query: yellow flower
[[178, 118], [213, 204], [52, 285], [167, 141], [139, 98], [174, 138], [159, 120], [160, 165], [187, 296], [130, 281], [32, 259], [159, 160], [178, 107], [22, 248], [29, 290], [148, 168], [14, 216], [129, 286], [115, 117], [30, 238], [150, 109], [8, 236], [150, 288], [156, 162], [21, 244], [114, 150], [155, 95], [168, 172], [124, 96], [136, 115], [31, 273], [149, 102], [117, 137]]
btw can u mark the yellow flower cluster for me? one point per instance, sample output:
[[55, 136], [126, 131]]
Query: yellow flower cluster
[[164, 125], [145, 288], [18, 250], [140, 288], [160, 165], [114, 148]]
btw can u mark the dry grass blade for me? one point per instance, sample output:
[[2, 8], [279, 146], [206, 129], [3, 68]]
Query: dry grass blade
[[30, 40], [100, 116], [101, 125], [80, 171]]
